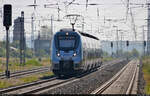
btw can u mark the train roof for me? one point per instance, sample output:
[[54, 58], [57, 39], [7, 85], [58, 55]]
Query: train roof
[[88, 35], [82, 33], [66, 29]]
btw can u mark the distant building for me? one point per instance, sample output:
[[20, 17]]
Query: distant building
[[17, 29], [45, 33], [43, 41]]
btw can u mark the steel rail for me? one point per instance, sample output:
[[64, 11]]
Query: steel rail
[[106, 85], [42, 88], [26, 72], [129, 90], [50, 86], [26, 85], [2, 74]]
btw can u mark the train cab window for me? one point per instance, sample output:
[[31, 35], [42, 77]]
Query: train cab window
[[66, 42]]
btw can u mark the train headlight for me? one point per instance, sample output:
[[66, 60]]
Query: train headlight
[[58, 54], [75, 54]]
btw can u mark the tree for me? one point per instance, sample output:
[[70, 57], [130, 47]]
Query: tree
[[29, 53], [127, 54], [104, 54], [135, 53], [120, 53], [2, 48], [15, 44]]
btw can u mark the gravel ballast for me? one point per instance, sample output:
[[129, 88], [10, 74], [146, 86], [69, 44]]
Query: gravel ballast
[[88, 83]]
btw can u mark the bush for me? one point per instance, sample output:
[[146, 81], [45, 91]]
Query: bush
[[107, 59], [2, 52], [135, 53], [33, 62], [29, 53]]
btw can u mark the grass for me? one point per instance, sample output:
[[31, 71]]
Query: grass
[[29, 79], [107, 59], [36, 77], [33, 62], [5, 83], [14, 64], [146, 71], [46, 61]]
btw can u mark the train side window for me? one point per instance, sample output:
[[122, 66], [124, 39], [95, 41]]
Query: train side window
[[83, 42], [89, 43], [86, 42]]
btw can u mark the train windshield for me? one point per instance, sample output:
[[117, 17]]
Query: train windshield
[[66, 42]]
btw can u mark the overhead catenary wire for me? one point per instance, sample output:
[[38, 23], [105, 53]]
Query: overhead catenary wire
[[97, 5]]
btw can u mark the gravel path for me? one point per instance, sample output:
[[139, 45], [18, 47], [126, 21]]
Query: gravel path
[[89, 82]]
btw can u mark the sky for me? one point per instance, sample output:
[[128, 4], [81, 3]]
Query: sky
[[114, 12]]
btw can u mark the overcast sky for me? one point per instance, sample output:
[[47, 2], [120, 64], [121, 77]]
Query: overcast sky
[[110, 9]]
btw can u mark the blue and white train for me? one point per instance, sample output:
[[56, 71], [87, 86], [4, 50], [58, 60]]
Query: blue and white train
[[73, 51]]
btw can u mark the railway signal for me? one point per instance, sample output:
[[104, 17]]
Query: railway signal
[[144, 43], [144, 47], [7, 16], [127, 43], [111, 44], [112, 48], [7, 22]]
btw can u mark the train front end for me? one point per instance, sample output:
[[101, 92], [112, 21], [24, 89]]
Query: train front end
[[66, 53]]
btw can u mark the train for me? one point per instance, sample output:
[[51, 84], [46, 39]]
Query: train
[[73, 52]]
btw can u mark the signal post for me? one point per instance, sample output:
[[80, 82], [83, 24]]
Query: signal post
[[7, 22]]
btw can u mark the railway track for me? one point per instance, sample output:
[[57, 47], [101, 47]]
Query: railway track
[[36, 70], [124, 82], [26, 72], [43, 85], [39, 86]]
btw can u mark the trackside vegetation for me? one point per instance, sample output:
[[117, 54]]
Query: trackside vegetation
[[14, 64], [5, 83], [146, 71]]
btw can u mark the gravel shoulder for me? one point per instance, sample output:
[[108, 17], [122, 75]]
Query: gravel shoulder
[[88, 83]]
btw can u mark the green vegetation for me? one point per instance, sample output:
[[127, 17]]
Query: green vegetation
[[29, 79], [33, 62], [107, 59], [124, 54], [15, 51], [105, 54], [135, 53], [4, 83], [14, 64], [46, 61], [14, 61], [2, 52], [42, 53], [1, 62], [146, 71]]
